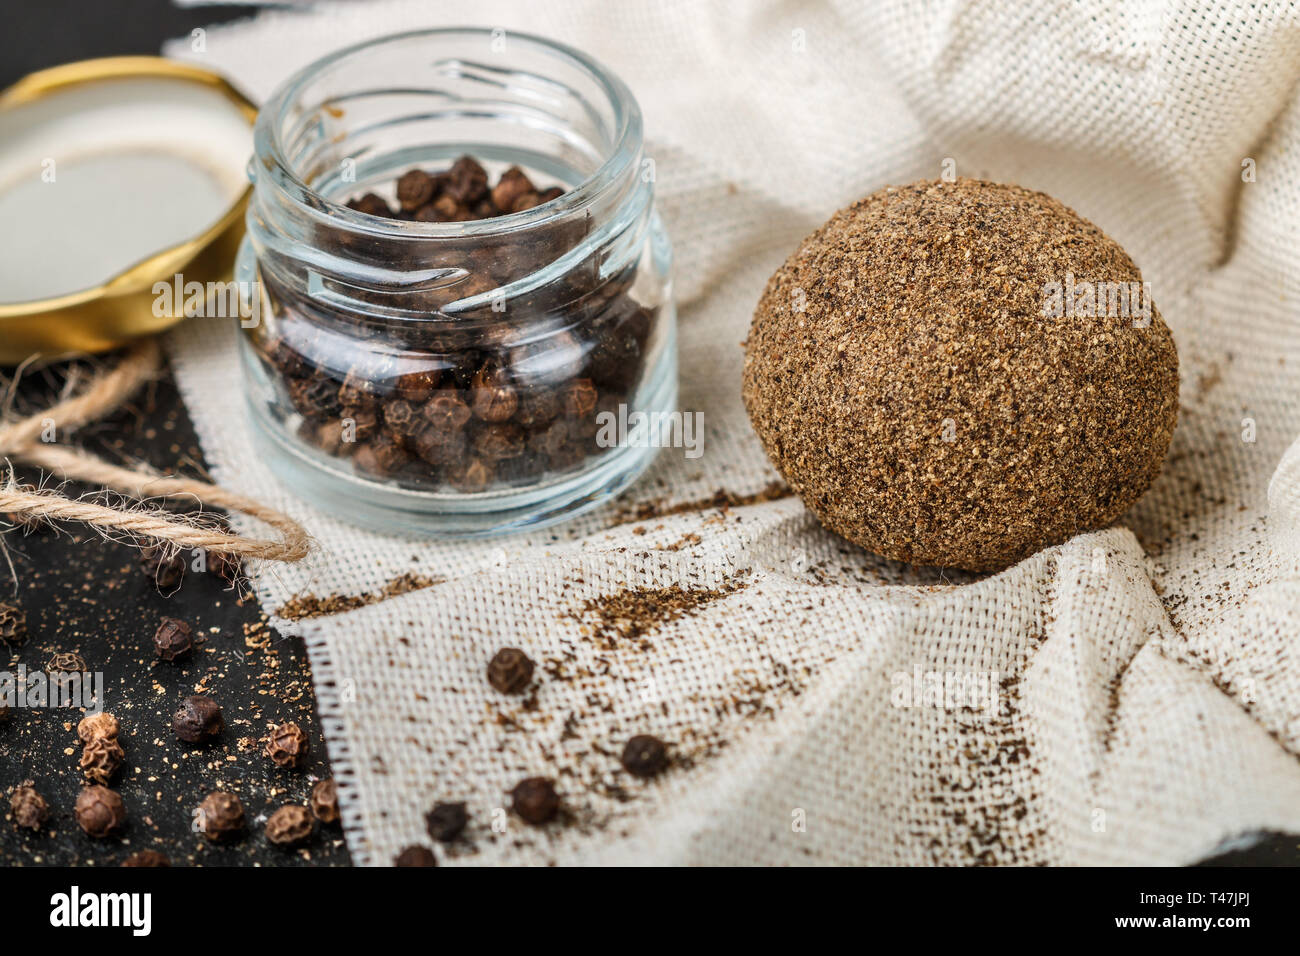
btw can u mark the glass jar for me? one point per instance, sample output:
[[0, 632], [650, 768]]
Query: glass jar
[[458, 377]]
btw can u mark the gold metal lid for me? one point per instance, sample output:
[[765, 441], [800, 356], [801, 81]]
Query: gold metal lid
[[118, 307]]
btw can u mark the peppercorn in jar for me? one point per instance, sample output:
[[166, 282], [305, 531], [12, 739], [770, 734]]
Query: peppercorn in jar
[[462, 285]]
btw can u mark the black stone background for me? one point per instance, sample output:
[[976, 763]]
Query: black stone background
[[82, 593]]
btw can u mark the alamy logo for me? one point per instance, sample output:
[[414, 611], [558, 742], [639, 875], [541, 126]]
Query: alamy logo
[[1098, 299], [627, 429], [73, 909]]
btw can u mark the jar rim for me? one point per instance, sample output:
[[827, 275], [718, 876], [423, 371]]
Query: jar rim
[[626, 142]]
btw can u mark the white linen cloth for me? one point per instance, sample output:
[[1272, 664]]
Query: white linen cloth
[[1148, 675]]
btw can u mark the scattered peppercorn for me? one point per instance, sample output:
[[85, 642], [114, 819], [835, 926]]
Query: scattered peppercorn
[[221, 816], [28, 807], [101, 758], [146, 858], [290, 825], [164, 566], [97, 725], [446, 821], [100, 811], [197, 720], [535, 800], [13, 625], [645, 756], [173, 639], [287, 745], [324, 801], [416, 856], [510, 670]]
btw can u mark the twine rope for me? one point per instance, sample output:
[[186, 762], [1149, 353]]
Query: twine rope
[[105, 392]]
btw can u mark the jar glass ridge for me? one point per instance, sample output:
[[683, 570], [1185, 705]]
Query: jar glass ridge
[[456, 377]]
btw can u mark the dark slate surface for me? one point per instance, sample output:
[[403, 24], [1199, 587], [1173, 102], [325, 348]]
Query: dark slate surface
[[89, 596]]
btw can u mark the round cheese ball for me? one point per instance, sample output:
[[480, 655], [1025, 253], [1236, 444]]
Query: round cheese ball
[[961, 374]]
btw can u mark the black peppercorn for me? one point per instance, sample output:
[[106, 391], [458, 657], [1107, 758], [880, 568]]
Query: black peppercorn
[[29, 808], [616, 358], [173, 639], [151, 858], [357, 425], [549, 440], [497, 442], [512, 184], [287, 745], [97, 725], [101, 758], [446, 412], [100, 811], [324, 801], [197, 720], [226, 566], [578, 398], [439, 447], [221, 817], [415, 856], [465, 365], [13, 625], [371, 205], [418, 386], [290, 825], [467, 181], [414, 189], [537, 406], [446, 821], [645, 755], [287, 360], [164, 566], [315, 398], [510, 670], [472, 476], [381, 456], [356, 391], [493, 398], [402, 419], [535, 800]]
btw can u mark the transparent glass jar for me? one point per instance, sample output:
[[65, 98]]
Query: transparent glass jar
[[456, 377]]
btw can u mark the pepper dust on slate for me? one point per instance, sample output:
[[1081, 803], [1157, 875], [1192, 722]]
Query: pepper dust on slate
[[907, 380]]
